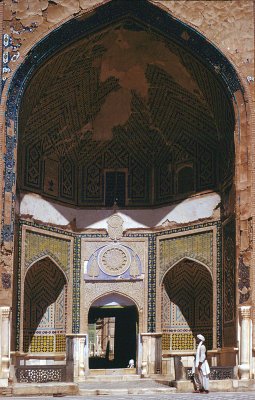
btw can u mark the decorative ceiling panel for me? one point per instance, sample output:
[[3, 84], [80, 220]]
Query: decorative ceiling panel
[[126, 98]]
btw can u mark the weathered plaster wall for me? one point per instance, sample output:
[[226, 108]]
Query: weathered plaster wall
[[34, 207], [227, 24]]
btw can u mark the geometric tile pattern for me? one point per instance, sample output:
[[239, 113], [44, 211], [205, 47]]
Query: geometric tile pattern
[[39, 245], [182, 341], [166, 124], [152, 283], [152, 251], [229, 284], [219, 285], [60, 259], [42, 374], [168, 27], [229, 279], [45, 298], [187, 306], [151, 272], [157, 20], [76, 285], [197, 246], [244, 284]]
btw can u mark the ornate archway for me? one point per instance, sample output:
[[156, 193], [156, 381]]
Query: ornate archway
[[44, 313], [187, 306]]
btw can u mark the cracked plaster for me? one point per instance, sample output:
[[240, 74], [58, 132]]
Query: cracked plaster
[[228, 24]]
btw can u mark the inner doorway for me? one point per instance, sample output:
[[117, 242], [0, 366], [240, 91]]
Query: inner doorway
[[113, 330]]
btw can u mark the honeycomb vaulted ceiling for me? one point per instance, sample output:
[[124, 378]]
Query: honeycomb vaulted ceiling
[[124, 98]]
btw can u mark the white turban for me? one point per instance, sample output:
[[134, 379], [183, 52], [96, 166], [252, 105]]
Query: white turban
[[201, 337]]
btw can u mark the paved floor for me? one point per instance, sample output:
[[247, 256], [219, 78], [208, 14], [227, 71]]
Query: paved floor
[[176, 396], [135, 384]]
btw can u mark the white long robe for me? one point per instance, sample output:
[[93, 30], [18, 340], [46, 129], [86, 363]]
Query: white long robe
[[201, 358]]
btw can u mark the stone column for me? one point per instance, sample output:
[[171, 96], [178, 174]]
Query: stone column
[[4, 345], [82, 355], [79, 354], [151, 353], [139, 354], [244, 367]]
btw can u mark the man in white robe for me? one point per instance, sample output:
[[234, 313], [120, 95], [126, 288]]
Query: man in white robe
[[201, 367]]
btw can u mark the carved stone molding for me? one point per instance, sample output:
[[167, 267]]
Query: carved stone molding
[[115, 227], [114, 260], [245, 312], [132, 290], [5, 311], [6, 280], [243, 281]]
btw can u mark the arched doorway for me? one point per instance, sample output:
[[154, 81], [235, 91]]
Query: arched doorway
[[113, 329], [187, 305], [44, 316]]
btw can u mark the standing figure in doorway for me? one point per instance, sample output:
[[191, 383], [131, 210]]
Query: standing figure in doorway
[[201, 367]]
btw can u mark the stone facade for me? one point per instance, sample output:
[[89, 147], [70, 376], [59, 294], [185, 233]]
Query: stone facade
[[56, 232]]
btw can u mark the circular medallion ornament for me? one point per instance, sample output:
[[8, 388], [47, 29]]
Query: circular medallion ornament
[[114, 260]]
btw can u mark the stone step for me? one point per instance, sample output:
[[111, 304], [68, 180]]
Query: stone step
[[6, 391], [125, 391], [124, 387], [54, 389], [111, 378], [112, 371]]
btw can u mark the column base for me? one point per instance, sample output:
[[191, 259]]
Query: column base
[[244, 371], [3, 382]]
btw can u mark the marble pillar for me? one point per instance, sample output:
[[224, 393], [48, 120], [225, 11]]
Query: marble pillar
[[151, 353], [245, 342], [81, 356], [4, 345]]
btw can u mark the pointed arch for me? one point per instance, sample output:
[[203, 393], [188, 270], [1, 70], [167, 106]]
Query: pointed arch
[[45, 302], [52, 258], [187, 305], [182, 259], [114, 293]]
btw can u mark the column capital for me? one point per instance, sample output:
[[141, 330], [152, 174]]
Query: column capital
[[245, 312], [5, 311]]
